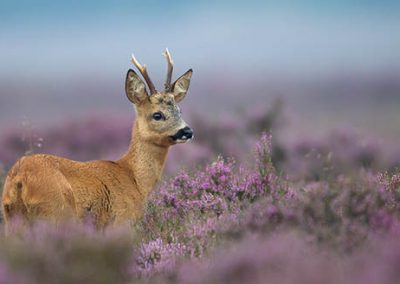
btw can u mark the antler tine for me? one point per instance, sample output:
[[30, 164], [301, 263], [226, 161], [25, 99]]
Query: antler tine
[[143, 71], [170, 62]]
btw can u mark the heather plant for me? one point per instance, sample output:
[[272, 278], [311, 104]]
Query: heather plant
[[68, 253], [292, 258], [328, 214], [198, 209], [157, 256], [345, 220], [341, 213], [82, 139], [279, 259], [341, 152], [227, 202], [219, 187], [7, 276]]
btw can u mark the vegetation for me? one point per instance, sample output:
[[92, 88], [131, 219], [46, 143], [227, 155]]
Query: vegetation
[[321, 212]]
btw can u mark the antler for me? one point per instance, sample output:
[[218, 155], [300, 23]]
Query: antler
[[143, 71], [170, 68]]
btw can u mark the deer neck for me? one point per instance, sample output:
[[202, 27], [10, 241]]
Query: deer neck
[[145, 161]]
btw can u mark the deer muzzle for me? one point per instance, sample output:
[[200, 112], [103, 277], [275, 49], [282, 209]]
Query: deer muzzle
[[183, 134]]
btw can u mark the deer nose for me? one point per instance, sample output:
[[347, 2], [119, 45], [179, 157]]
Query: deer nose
[[183, 134], [187, 133]]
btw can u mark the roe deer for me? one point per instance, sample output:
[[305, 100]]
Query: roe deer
[[54, 188]]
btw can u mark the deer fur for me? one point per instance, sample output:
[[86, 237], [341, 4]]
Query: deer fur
[[110, 192]]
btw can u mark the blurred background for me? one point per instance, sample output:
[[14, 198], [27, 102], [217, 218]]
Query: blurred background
[[322, 76]]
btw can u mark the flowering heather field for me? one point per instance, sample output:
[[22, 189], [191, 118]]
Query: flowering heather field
[[246, 208]]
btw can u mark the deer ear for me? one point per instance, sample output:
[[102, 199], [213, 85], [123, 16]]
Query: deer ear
[[135, 89], [181, 86]]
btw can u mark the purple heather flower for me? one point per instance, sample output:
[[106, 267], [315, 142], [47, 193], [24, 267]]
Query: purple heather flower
[[157, 256]]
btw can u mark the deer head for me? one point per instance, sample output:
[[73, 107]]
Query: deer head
[[159, 118]]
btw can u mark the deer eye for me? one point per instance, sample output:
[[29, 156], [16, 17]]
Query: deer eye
[[158, 116]]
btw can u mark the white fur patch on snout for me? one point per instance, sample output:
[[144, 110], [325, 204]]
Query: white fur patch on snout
[[184, 139]]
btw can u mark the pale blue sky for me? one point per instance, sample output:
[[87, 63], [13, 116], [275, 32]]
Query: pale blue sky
[[43, 39]]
